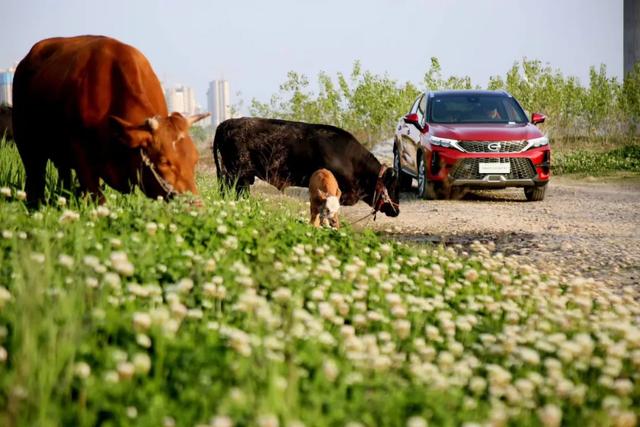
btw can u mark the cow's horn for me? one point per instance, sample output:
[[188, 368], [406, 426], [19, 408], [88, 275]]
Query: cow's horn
[[196, 118], [153, 123]]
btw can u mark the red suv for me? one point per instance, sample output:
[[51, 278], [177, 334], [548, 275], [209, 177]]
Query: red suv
[[452, 140]]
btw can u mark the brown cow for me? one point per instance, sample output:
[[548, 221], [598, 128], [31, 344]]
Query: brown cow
[[324, 199], [94, 105]]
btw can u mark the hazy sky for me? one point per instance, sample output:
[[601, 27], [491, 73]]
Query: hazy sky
[[253, 43]]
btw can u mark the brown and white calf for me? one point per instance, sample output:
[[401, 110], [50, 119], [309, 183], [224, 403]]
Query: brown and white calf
[[324, 195]]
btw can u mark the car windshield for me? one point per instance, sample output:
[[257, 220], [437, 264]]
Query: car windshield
[[460, 108]]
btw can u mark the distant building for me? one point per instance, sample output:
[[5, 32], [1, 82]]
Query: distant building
[[218, 101], [6, 86], [631, 38], [181, 99]]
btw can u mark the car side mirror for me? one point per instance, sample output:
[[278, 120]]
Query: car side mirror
[[412, 119], [537, 118]]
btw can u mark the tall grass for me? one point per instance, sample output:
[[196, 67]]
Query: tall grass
[[12, 173], [146, 313]]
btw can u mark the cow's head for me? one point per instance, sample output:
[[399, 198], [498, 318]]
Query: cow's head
[[167, 152], [329, 209], [387, 197]]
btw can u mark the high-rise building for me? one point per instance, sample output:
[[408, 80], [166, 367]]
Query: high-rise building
[[6, 86], [181, 99], [631, 37], [218, 101]]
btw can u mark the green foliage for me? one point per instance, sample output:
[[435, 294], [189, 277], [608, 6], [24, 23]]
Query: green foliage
[[625, 158], [366, 104], [369, 105], [201, 134]]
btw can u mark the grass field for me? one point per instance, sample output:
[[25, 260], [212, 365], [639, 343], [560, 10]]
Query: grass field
[[140, 312]]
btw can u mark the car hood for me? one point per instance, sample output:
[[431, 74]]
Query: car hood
[[485, 131]]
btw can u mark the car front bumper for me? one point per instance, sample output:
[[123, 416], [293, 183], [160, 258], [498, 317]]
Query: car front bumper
[[527, 169]]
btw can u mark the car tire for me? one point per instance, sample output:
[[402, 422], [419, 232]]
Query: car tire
[[426, 189], [535, 194], [404, 180]]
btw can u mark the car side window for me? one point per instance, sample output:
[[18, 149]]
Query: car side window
[[422, 109], [414, 108]]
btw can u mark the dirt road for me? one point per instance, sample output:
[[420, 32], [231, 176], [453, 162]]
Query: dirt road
[[587, 227]]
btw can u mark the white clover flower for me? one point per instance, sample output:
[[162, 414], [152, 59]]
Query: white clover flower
[[222, 229], [550, 415], [5, 191], [402, 328], [393, 299], [68, 216], [92, 282], [141, 363], [21, 195], [625, 419], [102, 211], [330, 370], [282, 295], [120, 263], [326, 310], [152, 228], [267, 420], [141, 321], [529, 355], [132, 412], [7, 234], [417, 421], [623, 386], [61, 201], [471, 275], [477, 385], [111, 377], [185, 285], [82, 370], [143, 340], [221, 421], [231, 242], [125, 370], [4, 355], [65, 260]]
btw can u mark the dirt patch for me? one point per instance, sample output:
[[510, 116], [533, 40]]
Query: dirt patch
[[587, 227], [583, 227]]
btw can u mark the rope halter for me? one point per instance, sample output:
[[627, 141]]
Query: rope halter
[[381, 194], [163, 183]]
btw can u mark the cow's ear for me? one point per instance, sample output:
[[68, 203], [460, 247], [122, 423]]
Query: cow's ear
[[196, 118], [322, 195], [338, 193], [132, 135]]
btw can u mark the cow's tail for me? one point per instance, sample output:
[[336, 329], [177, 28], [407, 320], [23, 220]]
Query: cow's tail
[[217, 140]]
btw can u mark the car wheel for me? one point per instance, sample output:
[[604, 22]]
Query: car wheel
[[404, 180], [535, 194], [426, 189]]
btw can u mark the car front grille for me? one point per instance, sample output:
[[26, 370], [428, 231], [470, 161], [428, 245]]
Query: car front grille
[[492, 146], [521, 168]]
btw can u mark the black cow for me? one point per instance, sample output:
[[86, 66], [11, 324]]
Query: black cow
[[286, 153]]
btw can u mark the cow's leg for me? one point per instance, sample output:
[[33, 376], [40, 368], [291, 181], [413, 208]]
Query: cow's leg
[[36, 168], [88, 176], [315, 215]]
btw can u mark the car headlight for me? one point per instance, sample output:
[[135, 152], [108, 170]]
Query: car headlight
[[537, 142], [444, 142]]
